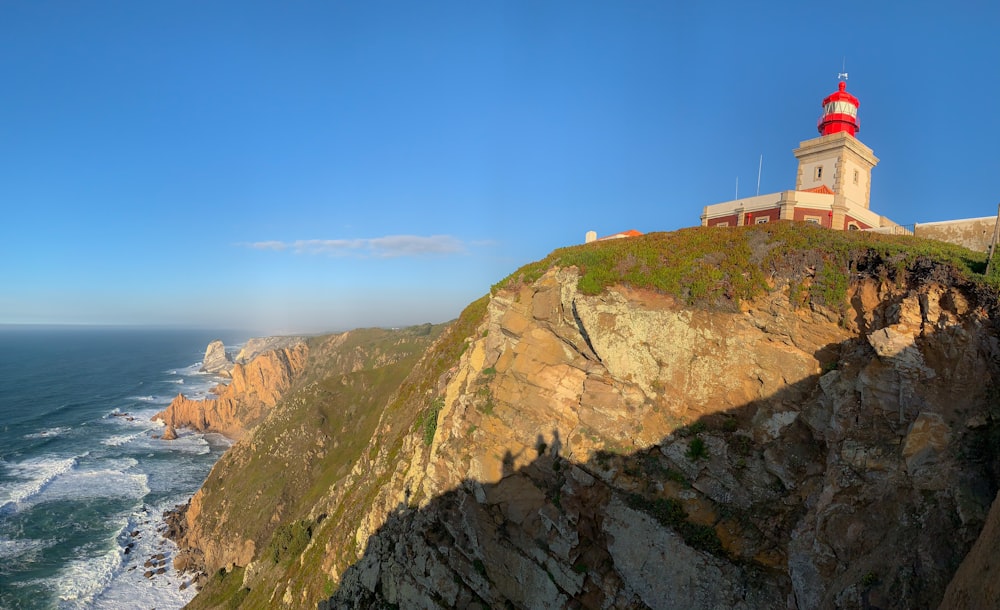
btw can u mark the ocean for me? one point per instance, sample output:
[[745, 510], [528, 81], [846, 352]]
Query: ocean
[[83, 480]]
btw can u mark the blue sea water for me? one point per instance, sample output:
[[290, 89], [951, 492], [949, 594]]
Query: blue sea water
[[83, 479]]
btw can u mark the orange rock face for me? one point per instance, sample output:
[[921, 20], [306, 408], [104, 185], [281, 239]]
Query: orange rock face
[[255, 388]]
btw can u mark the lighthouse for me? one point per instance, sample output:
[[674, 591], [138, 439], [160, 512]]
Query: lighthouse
[[836, 159], [833, 183]]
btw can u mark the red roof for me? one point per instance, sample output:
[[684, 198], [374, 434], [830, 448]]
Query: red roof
[[629, 233], [820, 189]]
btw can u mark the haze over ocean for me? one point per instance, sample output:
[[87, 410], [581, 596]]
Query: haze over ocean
[[78, 477]]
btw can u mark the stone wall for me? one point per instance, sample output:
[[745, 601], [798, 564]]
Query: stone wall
[[973, 233]]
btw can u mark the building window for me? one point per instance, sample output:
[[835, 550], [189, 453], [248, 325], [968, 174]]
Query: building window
[[724, 223], [856, 176], [818, 174], [853, 226], [761, 221], [813, 219]]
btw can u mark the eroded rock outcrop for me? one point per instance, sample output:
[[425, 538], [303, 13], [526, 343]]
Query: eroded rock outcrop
[[254, 389], [216, 361]]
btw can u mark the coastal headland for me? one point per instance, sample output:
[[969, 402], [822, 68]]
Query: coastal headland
[[770, 416]]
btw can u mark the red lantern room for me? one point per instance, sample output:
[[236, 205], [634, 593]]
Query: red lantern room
[[840, 113]]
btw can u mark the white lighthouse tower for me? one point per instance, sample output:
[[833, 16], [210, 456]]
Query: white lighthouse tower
[[837, 159]]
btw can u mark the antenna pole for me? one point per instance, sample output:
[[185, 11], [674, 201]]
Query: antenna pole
[[991, 250], [760, 166]]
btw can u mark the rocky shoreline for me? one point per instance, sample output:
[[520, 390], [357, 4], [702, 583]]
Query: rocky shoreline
[[156, 564], [259, 375], [185, 561]]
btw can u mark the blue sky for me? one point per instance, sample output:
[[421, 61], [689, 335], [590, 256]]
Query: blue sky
[[307, 166]]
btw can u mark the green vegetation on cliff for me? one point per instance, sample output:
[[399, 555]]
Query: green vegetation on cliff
[[718, 267], [308, 444], [301, 458]]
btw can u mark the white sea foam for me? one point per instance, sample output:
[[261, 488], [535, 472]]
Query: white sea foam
[[140, 415], [192, 369], [82, 579], [14, 549], [162, 399], [138, 420], [68, 480], [49, 432], [97, 483], [128, 586], [120, 439], [216, 440], [190, 442], [35, 474]]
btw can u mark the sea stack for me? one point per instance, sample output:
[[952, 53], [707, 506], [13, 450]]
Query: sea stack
[[216, 360]]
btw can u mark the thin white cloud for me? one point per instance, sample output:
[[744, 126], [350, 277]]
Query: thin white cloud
[[268, 245], [389, 246]]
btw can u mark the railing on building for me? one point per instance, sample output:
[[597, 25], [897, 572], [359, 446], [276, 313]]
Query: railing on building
[[896, 230]]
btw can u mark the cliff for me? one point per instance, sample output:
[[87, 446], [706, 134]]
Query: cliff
[[254, 389], [768, 417], [259, 345]]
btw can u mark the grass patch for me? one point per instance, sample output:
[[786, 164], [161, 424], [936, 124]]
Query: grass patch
[[696, 428], [223, 590], [479, 567], [289, 540], [870, 578], [677, 477], [431, 420], [696, 450], [485, 403], [717, 268], [670, 512]]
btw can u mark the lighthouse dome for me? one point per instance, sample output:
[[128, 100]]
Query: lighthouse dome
[[840, 113]]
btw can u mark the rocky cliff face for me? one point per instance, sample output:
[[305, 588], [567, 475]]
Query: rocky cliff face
[[976, 585], [259, 345], [625, 451], [253, 390]]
